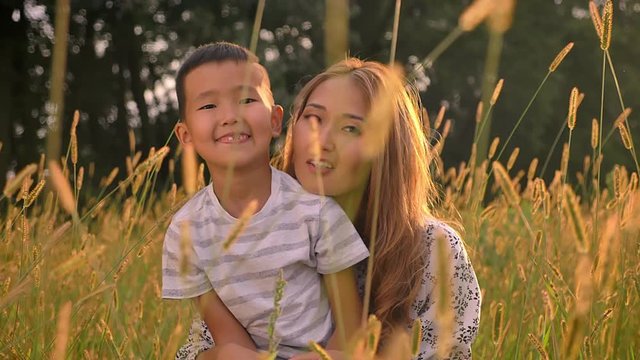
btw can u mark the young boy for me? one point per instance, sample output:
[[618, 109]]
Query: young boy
[[229, 117]]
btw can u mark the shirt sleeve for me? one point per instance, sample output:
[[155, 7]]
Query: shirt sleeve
[[193, 280], [464, 294], [338, 244]]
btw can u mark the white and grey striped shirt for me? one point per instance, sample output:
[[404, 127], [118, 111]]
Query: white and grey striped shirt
[[303, 234]]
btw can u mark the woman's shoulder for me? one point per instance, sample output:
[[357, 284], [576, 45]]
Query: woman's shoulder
[[439, 229]]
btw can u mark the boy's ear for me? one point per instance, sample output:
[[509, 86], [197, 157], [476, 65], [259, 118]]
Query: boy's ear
[[182, 132], [276, 120]]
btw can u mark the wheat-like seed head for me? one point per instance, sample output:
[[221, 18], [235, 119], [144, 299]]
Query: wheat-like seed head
[[242, 222], [16, 182], [496, 92], [574, 217], [538, 345], [498, 322], [186, 247], [475, 13], [561, 55], [61, 185], [594, 133], [532, 169], [607, 24], [80, 178], [501, 17], [512, 158], [493, 147], [504, 181], [319, 350], [33, 195], [573, 109], [74, 137], [595, 17], [439, 117], [625, 136], [62, 332], [112, 176], [132, 141], [479, 110]]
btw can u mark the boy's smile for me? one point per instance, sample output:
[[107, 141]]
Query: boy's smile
[[230, 117]]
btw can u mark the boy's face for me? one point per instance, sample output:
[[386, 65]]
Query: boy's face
[[230, 117]]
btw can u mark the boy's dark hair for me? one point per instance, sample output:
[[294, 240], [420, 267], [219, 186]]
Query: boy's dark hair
[[214, 52]]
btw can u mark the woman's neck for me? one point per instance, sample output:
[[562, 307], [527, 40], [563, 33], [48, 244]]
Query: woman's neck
[[350, 202], [236, 189]]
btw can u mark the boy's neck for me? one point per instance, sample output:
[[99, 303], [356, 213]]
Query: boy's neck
[[236, 190]]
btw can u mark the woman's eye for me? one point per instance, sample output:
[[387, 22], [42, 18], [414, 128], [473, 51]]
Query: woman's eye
[[311, 116], [207, 107], [352, 129], [247, 101]]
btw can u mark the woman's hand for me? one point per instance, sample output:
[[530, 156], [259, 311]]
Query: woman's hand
[[334, 354]]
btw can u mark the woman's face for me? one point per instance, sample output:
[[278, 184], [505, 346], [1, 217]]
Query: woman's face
[[339, 107]]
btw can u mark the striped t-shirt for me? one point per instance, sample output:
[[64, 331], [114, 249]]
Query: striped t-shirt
[[303, 234]]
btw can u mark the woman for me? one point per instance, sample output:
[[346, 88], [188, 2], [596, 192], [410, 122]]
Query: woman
[[335, 114]]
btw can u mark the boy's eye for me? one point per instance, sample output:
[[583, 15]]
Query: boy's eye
[[207, 107], [247, 101]]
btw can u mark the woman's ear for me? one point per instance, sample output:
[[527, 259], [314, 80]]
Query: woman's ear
[[182, 133], [277, 113]]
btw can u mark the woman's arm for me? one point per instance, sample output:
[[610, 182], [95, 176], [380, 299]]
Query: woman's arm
[[465, 297], [230, 337], [346, 306]]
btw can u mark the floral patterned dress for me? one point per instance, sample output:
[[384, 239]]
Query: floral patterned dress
[[465, 297]]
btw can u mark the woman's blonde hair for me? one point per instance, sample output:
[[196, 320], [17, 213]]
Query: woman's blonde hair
[[406, 188]]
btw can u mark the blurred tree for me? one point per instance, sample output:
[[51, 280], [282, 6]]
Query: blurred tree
[[123, 55]]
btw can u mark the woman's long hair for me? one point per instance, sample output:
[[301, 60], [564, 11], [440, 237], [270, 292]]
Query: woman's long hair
[[406, 188]]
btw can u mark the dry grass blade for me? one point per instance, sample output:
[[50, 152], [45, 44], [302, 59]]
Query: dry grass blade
[[62, 187], [416, 336], [186, 251], [380, 118], [399, 346], [561, 55], [62, 332], [239, 226], [607, 24], [444, 310], [16, 182]]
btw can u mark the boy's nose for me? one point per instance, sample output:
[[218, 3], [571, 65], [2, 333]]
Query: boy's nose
[[230, 115]]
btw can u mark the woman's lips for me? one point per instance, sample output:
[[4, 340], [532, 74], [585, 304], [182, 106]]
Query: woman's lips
[[319, 166]]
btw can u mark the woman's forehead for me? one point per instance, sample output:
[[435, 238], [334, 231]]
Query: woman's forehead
[[338, 94]]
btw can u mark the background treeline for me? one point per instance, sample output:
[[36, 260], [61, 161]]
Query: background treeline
[[123, 56]]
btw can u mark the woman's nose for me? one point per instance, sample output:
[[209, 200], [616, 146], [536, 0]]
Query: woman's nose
[[326, 138]]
